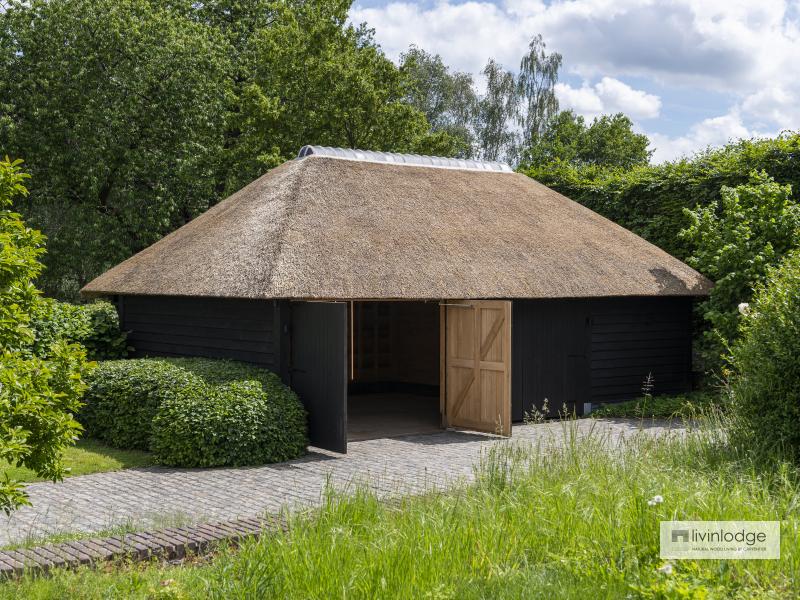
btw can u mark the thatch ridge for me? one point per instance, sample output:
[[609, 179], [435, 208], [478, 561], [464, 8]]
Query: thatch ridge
[[326, 228]]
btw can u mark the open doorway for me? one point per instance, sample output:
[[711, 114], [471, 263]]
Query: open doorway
[[393, 369]]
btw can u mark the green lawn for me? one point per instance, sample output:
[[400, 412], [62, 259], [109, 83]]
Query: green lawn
[[87, 456], [576, 524]]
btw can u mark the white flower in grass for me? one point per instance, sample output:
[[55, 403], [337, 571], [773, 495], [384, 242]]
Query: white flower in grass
[[665, 569], [744, 308], [655, 500]]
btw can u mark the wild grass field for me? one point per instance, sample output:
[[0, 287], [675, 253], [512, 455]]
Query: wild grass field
[[681, 406], [536, 523]]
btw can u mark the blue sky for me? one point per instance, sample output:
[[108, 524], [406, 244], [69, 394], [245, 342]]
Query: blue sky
[[691, 73]]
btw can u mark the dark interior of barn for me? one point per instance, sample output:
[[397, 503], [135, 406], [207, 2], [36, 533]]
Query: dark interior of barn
[[393, 369]]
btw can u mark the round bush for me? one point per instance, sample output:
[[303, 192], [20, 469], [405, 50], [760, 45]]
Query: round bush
[[240, 423], [766, 363], [195, 412], [124, 395]]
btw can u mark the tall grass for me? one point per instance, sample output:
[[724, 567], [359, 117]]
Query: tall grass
[[537, 523]]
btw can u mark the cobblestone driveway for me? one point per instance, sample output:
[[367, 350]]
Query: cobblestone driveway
[[156, 496]]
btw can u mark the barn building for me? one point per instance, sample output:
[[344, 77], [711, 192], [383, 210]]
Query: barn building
[[399, 294]]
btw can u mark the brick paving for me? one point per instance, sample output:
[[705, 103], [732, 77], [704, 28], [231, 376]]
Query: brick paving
[[156, 496]]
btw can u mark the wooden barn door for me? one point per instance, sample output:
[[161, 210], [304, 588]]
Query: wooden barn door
[[477, 365], [319, 370]]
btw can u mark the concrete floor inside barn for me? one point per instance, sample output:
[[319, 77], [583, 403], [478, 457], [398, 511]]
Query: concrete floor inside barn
[[373, 416]]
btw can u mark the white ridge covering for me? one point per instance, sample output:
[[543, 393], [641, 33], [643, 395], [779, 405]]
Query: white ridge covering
[[397, 158]]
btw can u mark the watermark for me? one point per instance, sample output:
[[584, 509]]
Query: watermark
[[721, 539]]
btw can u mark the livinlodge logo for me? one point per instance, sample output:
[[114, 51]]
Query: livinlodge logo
[[721, 539]]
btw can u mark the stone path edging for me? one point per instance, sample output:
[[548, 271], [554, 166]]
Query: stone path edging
[[170, 544]]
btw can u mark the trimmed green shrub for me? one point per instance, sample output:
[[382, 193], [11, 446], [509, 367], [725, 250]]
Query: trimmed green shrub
[[123, 398], [94, 326], [195, 412], [765, 384], [218, 371], [228, 425]]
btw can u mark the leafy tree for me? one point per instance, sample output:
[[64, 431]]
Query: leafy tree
[[320, 80], [538, 75], [496, 110], [736, 241], [609, 141], [118, 106], [237, 20], [517, 110], [560, 142], [38, 394], [446, 98]]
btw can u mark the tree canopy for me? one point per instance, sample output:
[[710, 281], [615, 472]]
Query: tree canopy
[[118, 107], [447, 98], [608, 141]]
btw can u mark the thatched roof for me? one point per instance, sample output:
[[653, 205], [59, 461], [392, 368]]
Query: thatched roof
[[323, 227]]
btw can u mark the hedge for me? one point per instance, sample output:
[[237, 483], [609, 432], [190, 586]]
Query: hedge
[[650, 200], [228, 425], [195, 412]]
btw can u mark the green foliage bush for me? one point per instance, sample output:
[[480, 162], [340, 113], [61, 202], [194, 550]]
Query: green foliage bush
[[237, 423], [124, 396], [765, 384], [94, 326], [195, 412], [38, 393], [736, 240]]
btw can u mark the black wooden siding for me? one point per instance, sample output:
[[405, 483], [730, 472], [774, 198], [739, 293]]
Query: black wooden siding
[[549, 358], [634, 337], [575, 351], [214, 327], [569, 351]]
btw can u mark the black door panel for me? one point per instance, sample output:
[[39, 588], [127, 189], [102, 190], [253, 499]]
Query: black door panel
[[319, 370]]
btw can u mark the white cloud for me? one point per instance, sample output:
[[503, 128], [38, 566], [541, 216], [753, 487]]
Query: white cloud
[[583, 100], [774, 106], [708, 132], [466, 34], [721, 43], [608, 96]]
